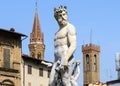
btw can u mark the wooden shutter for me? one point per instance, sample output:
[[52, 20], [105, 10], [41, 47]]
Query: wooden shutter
[[6, 58]]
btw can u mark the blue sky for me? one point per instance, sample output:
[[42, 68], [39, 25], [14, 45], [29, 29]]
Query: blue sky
[[100, 16]]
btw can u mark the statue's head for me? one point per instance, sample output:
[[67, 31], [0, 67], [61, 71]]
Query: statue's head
[[61, 15]]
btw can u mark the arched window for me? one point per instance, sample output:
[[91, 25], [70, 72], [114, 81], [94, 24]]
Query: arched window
[[39, 55], [87, 63], [95, 63], [33, 55], [7, 82]]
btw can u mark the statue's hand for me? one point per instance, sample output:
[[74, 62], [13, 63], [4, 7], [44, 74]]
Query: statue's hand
[[61, 67]]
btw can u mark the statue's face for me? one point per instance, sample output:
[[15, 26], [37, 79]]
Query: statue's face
[[62, 18]]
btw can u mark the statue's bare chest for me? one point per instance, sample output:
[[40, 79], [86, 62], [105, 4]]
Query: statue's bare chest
[[61, 34]]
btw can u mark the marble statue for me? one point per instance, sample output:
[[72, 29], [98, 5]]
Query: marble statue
[[63, 73]]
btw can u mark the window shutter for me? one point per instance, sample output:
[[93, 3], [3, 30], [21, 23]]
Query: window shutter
[[6, 58]]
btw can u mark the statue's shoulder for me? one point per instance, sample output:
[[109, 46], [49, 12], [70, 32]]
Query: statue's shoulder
[[71, 28]]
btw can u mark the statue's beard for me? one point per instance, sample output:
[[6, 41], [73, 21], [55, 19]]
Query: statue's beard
[[63, 22]]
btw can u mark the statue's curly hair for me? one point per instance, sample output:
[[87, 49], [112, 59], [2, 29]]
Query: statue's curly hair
[[59, 10]]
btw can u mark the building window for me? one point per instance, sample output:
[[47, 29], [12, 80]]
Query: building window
[[87, 63], [7, 82], [49, 73], [6, 56], [29, 69], [40, 71], [95, 63], [32, 39], [39, 55], [33, 55]]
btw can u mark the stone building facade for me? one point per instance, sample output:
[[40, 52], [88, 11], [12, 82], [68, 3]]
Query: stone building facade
[[35, 72], [91, 67], [10, 57]]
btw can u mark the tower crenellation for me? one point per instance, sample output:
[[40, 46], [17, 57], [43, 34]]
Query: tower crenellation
[[90, 46]]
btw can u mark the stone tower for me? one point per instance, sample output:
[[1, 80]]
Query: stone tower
[[91, 67], [36, 46]]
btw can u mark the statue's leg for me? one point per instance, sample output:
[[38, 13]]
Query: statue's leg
[[53, 75], [73, 81], [65, 75], [70, 64], [66, 82]]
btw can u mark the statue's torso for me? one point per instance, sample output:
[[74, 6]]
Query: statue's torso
[[60, 42]]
